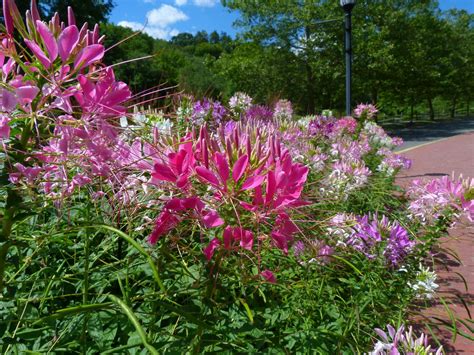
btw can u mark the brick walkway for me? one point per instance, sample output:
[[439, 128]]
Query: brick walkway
[[447, 157]]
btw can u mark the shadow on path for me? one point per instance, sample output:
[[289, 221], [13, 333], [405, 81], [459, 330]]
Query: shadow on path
[[417, 134]]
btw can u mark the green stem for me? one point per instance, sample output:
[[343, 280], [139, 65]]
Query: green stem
[[7, 224], [25, 135], [85, 294], [136, 323], [11, 207], [3, 257]]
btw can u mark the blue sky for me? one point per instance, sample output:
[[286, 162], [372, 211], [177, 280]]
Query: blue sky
[[165, 18]]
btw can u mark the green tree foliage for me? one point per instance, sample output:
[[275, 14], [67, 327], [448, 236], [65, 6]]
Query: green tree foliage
[[90, 11], [407, 53], [186, 61], [458, 78], [264, 72], [289, 25], [126, 46]]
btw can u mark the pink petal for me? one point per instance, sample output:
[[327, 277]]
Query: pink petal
[[34, 11], [95, 33], [175, 204], [269, 276], [252, 182], [246, 238], [207, 175], [120, 94], [164, 223], [89, 55], [8, 66], [71, 20], [222, 167], [193, 203], [7, 16], [302, 174], [4, 127], [248, 206], [258, 198], [211, 248], [8, 100], [67, 41], [212, 219], [280, 241], [26, 94], [48, 40], [271, 187], [239, 167], [38, 53], [381, 334], [391, 331], [182, 181], [162, 172]]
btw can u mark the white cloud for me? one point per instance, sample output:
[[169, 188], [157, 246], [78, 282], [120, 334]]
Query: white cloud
[[165, 15], [205, 3], [173, 32], [149, 1], [130, 24], [180, 2], [158, 21]]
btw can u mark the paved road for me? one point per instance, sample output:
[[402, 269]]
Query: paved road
[[451, 156], [423, 133]]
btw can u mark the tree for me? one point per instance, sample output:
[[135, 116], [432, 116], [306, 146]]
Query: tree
[[183, 39], [90, 11], [141, 74], [458, 78], [196, 77], [214, 37], [289, 25], [258, 70]]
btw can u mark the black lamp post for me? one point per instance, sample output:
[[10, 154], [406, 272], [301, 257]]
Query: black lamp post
[[347, 6]]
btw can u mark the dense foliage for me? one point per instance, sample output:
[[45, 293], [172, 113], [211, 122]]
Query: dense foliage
[[236, 227], [409, 57]]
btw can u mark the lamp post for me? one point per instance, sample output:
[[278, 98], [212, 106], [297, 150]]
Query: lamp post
[[347, 6]]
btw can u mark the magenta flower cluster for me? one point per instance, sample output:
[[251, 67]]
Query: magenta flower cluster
[[218, 180]]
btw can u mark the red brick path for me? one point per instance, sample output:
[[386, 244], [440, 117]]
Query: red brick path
[[454, 155]]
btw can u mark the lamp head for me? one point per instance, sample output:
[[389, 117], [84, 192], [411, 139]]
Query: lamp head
[[347, 5]]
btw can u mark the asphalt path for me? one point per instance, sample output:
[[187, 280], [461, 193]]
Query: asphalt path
[[419, 134]]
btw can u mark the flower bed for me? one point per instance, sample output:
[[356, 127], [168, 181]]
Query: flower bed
[[204, 228]]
